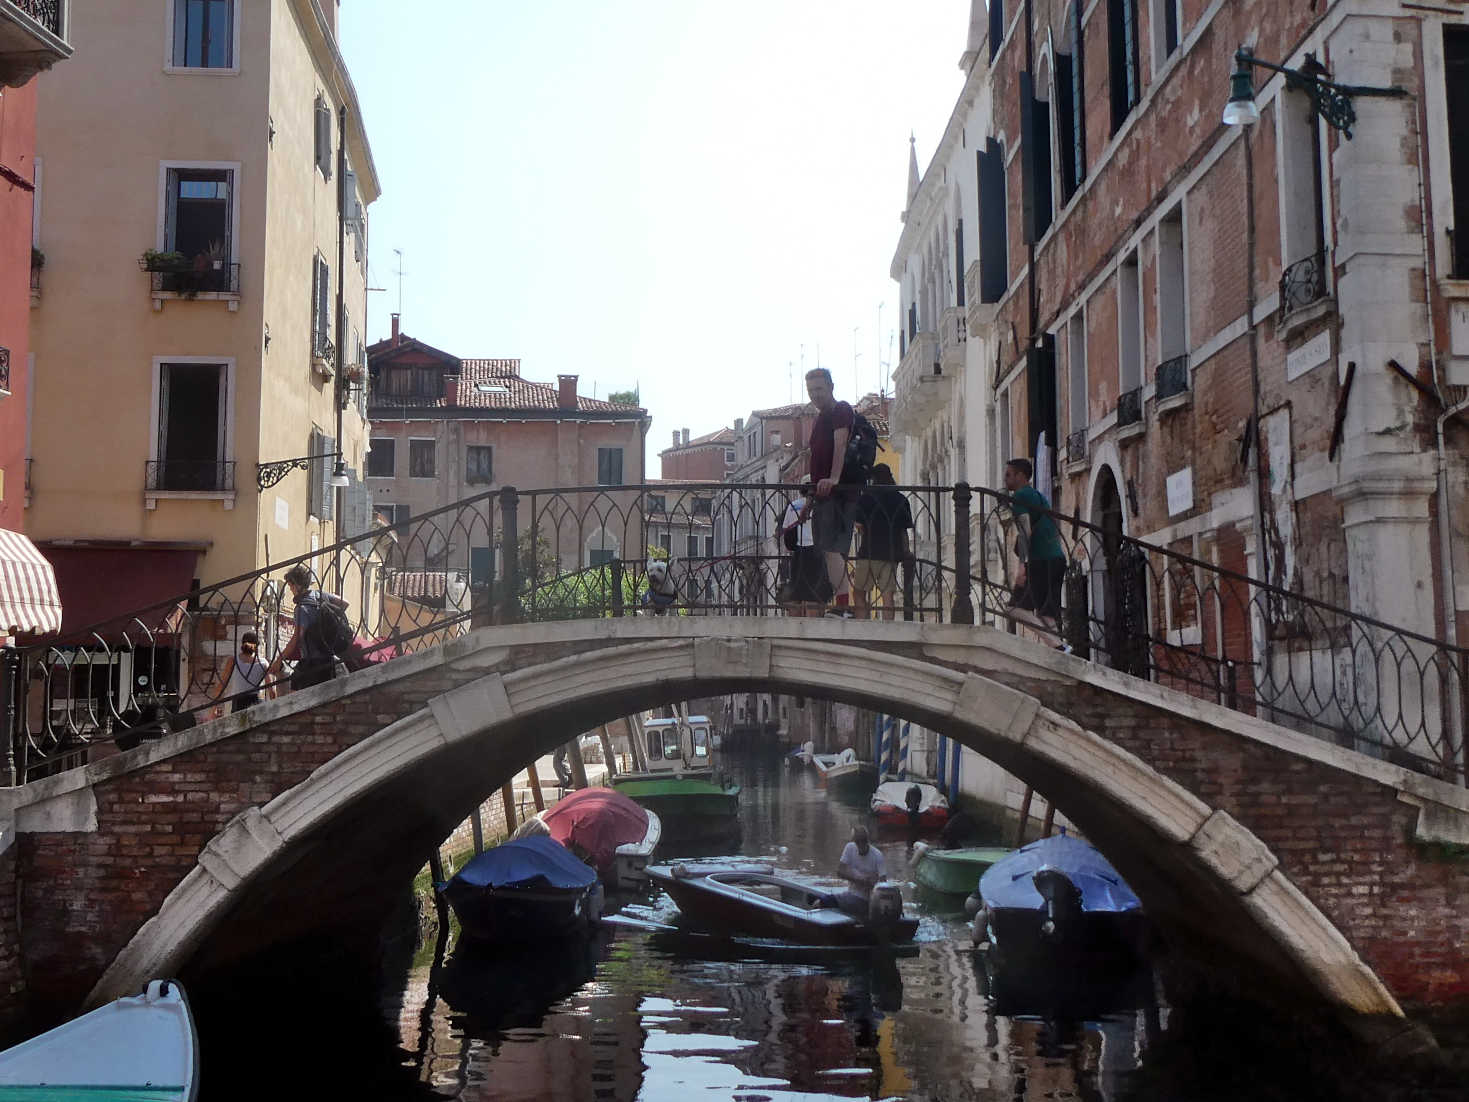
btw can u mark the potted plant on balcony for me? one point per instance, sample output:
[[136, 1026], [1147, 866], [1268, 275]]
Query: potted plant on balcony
[[352, 374], [154, 260], [217, 254], [38, 259]]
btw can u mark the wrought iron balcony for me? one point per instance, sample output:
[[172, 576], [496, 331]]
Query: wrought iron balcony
[[1130, 407], [191, 476], [1171, 377], [4, 370], [1303, 283], [1076, 446], [213, 277], [32, 38]]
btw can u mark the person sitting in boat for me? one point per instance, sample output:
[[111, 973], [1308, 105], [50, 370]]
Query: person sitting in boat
[[862, 866]]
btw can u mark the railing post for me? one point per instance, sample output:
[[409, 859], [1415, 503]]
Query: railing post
[[617, 609], [963, 610], [909, 585], [510, 555], [10, 709]]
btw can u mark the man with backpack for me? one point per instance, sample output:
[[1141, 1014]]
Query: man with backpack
[[843, 446], [323, 634]]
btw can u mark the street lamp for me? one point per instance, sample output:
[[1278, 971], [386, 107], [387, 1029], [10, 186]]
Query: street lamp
[[339, 479], [1329, 100]]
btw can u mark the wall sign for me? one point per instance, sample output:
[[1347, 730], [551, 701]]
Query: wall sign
[[1313, 353], [1180, 486]]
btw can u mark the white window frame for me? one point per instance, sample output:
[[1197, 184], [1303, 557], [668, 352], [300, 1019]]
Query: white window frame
[[160, 235], [427, 440], [601, 540], [1075, 423], [1186, 337], [1159, 30], [151, 498], [206, 71], [1134, 256], [1290, 249]]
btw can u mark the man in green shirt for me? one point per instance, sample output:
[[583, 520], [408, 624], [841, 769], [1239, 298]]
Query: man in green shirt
[[1036, 599]]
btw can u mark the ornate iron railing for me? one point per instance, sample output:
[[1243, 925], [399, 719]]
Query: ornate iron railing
[[190, 476], [1076, 446], [1302, 283], [1171, 377], [45, 12], [508, 556], [196, 280], [1130, 407]]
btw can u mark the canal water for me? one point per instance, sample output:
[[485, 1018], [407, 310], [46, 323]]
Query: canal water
[[665, 1017]]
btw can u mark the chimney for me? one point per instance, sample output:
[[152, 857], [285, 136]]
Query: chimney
[[739, 424], [396, 338], [685, 437], [451, 390], [675, 438], [566, 391]]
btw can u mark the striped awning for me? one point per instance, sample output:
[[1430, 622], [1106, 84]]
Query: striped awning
[[29, 602]]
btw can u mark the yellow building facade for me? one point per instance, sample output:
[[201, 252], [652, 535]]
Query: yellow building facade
[[187, 336]]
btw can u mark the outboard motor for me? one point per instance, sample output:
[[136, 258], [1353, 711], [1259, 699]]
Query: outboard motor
[[885, 907], [1062, 900]]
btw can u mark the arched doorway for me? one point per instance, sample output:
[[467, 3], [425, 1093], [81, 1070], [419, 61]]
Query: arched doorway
[[1119, 583]]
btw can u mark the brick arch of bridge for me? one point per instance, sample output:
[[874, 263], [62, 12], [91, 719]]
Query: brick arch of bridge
[[485, 704]]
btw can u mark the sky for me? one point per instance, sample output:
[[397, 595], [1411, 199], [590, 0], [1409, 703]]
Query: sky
[[688, 197]]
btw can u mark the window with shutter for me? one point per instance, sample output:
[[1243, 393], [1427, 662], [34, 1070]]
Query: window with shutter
[[479, 464], [997, 26], [1122, 59], [1078, 89], [1066, 126], [994, 262], [693, 547], [321, 285], [1456, 96], [323, 138], [1035, 160], [382, 458], [609, 466]]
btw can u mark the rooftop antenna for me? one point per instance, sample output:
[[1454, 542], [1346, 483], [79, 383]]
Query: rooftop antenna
[[399, 273], [856, 379], [791, 380]]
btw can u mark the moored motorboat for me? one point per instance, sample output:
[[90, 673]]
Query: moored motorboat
[[1059, 903], [956, 871], [606, 829], [525, 890], [679, 785], [141, 1047], [758, 902], [893, 801]]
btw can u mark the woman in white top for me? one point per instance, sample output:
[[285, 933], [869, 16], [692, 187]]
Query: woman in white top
[[247, 673], [808, 589]]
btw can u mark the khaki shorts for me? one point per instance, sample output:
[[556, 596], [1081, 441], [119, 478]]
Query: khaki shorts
[[870, 574]]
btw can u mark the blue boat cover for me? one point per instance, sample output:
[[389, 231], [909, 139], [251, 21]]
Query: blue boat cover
[[1008, 884], [524, 860]]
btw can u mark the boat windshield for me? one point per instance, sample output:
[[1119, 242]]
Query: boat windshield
[[655, 746], [701, 743], [671, 748]]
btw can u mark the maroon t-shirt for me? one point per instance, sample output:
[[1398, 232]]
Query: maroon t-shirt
[[823, 437]]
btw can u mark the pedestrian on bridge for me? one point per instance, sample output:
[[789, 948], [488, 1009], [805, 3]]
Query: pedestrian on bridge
[[835, 510], [308, 648], [885, 519], [1036, 598]]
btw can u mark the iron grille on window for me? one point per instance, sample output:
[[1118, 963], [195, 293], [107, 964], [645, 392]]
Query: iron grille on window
[[1171, 377], [190, 280], [1130, 407], [45, 12], [200, 476], [1076, 446], [1303, 283]]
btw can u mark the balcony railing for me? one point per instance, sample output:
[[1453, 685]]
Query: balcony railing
[[1130, 407], [191, 476], [4, 370], [1303, 283], [195, 280], [45, 12], [1076, 446], [1171, 377]]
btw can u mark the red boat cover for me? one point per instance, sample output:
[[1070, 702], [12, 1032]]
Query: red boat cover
[[592, 823]]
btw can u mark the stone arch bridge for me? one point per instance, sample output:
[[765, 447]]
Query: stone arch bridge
[[1312, 869]]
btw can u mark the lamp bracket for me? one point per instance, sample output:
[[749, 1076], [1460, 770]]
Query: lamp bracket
[[268, 474], [1329, 100]]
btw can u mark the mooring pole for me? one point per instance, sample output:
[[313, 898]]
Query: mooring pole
[[1024, 816], [535, 785], [507, 796], [576, 762]]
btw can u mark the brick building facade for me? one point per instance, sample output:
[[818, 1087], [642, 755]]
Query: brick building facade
[[1241, 342], [707, 458]]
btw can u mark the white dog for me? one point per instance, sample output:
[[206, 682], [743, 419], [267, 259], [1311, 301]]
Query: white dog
[[662, 593]]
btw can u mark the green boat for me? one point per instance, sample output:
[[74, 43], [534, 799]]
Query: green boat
[[956, 871], [678, 784]]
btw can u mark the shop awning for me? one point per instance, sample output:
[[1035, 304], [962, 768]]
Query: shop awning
[[29, 601], [103, 585]]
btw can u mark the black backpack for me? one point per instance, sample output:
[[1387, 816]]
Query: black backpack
[[331, 631], [861, 454]]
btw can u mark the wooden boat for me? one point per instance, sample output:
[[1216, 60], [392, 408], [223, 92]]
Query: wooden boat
[[890, 806], [606, 829], [842, 774], [1058, 903], [956, 871], [679, 785], [142, 1047], [525, 890], [756, 902]]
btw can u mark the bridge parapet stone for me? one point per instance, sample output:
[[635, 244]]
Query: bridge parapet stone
[[996, 708], [464, 712], [725, 657], [234, 855], [1240, 858]]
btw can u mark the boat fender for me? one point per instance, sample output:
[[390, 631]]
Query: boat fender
[[681, 872], [972, 904]]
